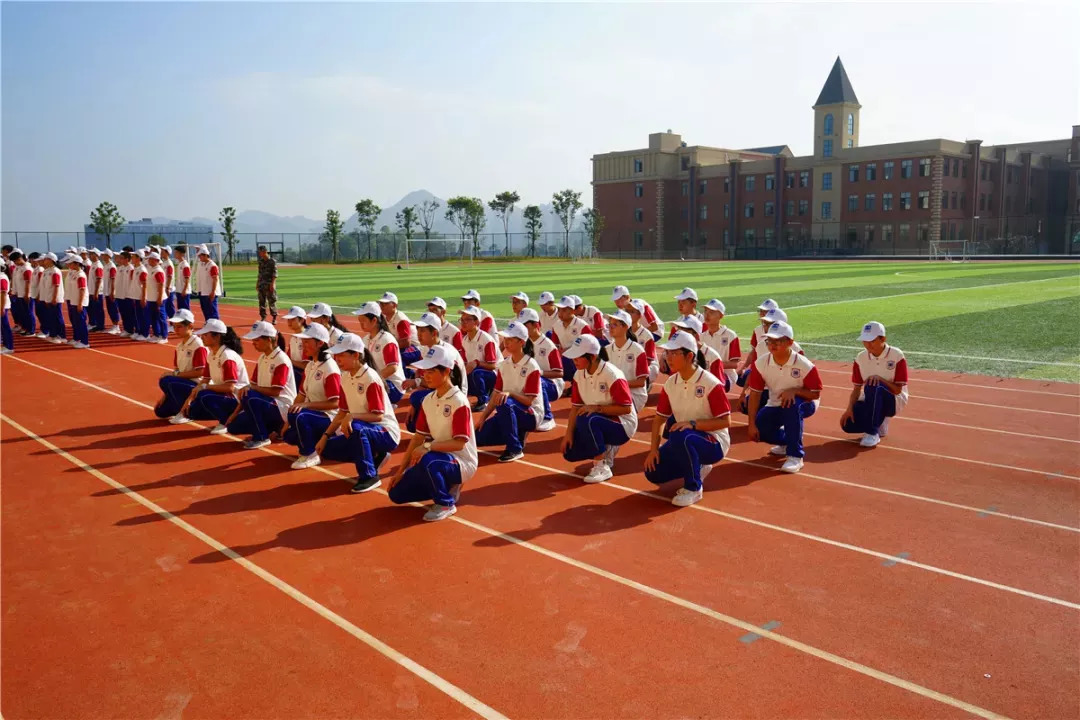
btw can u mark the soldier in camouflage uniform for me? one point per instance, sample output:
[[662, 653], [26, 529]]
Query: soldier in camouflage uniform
[[266, 284]]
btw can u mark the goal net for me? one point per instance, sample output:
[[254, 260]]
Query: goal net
[[949, 250], [424, 250]]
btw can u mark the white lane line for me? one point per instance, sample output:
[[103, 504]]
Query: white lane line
[[447, 687], [368, 639], [973, 386], [1023, 361], [931, 398], [730, 516]]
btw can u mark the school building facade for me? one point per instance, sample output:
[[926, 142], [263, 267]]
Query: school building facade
[[671, 199]]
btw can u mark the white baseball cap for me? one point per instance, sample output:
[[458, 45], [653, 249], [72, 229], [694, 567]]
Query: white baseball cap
[[92, 251], [515, 330], [546, 297], [141, 254], [472, 311], [430, 320], [689, 323], [182, 315], [348, 342], [152, 256], [638, 305], [768, 304], [471, 295], [261, 329], [69, 258], [528, 315], [368, 308], [716, 305], [687, 294], [622, 316], [780, 329], [82, 249], [315, 331], [165, 248], [577, 300], [435, 356], [681, 341], [388, 297], [295, 312], [71, 249], [619, 291], [213, 325], [320, 310], [583, 345], [774, 315], [567, 301], [520, 296], [202, 250], [872, 331], [437, 302], [106, 251], [50, 256]]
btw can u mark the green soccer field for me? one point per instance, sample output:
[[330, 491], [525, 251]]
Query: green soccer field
[[1011, 319]]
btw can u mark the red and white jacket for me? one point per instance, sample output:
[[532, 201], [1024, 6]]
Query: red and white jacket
[[481, 347], [183, 271], [190, 355], [549, 358], [52, 279], [226, 365], [451, 335], [797, 372], [702, 397], [156, 284], [890, 365], [403, 329], [726, 344], [606, 386], [363, 391], [275, 371], [564, 335], [384, 352], [634, 363], [75, 287], [522, 378], [446, 417], [322, 382]]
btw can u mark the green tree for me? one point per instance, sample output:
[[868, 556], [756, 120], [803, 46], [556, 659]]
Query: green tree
[[534, 221], [106, 220], [565, 205], [228, 224], [503, 205], [593, 223], [427, 220], [406, 221], [367, 214], [467, 215], [156, 240], [332, 232]]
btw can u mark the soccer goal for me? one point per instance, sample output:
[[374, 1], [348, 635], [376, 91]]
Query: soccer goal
[[425, 250], [949, 250]]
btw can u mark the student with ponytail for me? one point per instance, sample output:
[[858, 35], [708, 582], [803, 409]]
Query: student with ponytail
[[214, 397], [549, 360], [323, 315], [645, 337], [296, 319], [265, 403], [318, 399], [428, 332], [628, 356], [383, 347]]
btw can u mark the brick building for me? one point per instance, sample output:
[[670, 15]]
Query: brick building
[[674, 199]]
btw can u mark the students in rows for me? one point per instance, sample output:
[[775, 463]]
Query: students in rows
[[264, 404], [442, 454], [316, 400], [401, 327], [643, 335], [7, 338], [794, 391], [322, 314], [296, 319], [364, 431], [52, 292], [214, 397], [547, 357], [517, 405], [548, 314], [567, 329], [22, 308], [170, 279], [487, 321], [183, 277], [649, 319], [38, 292], [77, 295], [385, 354], [880, 378], [602, 417], [449, 333], [189, 364], [722, 340], [481, 356], [628, 355], [157, 290], [95, 276], [693, 413], [108, 292], [428, 332], [208, 282], [592, 317]]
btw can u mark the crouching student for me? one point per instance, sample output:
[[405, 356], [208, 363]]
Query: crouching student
[[383, 347], [296, 319], [214, 398], [880, 377], [442, 454], [723, 340], [758, 350], [428, 334], [264, 405], [517, 406], [567, 328], [794, 391], [644, 336], [693, 413], [629, 357], [482, 355], [602, 417], [549, 360], [365, 430], [189, 363], [317, 400]]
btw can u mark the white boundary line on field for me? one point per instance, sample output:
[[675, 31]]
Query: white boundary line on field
[[1023, 361], [318, 608], [973, 386], [965, 402]]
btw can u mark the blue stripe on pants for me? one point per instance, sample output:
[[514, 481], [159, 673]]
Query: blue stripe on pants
[[507, 426], [592, 435], [170, 304], [431, 478], [877, 404], [682, 457], [259, 417], [175, 391], [142, 317], [305, 429], [366, 447], [784, 425]]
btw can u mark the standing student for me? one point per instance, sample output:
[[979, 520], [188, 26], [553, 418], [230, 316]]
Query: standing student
[[157, 291], [122, 292], [880, 378], [214, 397], [22, 308], [517, 405], [723, 340], [264, 404], [208, 282], [170, 280], [568, 328], [385, 353], [401, 326], [189, 364], [321, 314], [52, 289], [429, 333], [108, 292], [693, 410], [643, 335], [78, 297], [141, 275], [549, 359], [296, 319], [183, 277], [95, 311], [602, 417], [794, 391], [317, 401], [7, 339], [449, 333], [628, 355], [364, 431], [487, 321], [548, 313], [442, 454], [38, 293], [649, 319], [687, 303], [481, 356]]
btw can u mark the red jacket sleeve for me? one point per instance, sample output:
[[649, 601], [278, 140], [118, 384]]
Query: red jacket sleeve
[[281, 376], [159, 276], [229, 371], [555, 360], [421, 422], [598, 323], [461, 423], [458, 345], [214, 271], [81, 283], [650, 350], [532, 383], [489, 353], [620, 393], [390, 354], [650, 315], [187, 272], [586, 330], [856, 374], [717, 367], [641, 366], [734, 351], [374, 396], [332, 386], [575, 395], [756, 382], [112, 273], [99, 272], [718, 402], [663, 405], [403, 329], [901, 375], [199, 358], [487, 325], [498, 382], [27, 274], [812, 381], [56, 279]]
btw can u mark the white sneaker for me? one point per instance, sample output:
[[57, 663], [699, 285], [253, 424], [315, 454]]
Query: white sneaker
[[439, 512], [869, 441], [219, 429], [41, 336], [161, 341], [147, 339], [137, 336], [780, 450], [306, 461], [6, 351], [705, 470], [792, 465], [124, 333], [685, 498], [599, 473], [114, 330], [884, 429], [256, 444], [179, 419], [55, 341], [546, 425], [80, 346]]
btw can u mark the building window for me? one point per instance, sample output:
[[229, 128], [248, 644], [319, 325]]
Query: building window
[[769, 237], [748, 210], [952, 204], [804, 178], [851, 124], [684, 162], [868, 234], [871, 171], [639, 190], [750, 183], [804, 207], [956, 167], [963, 201], [924, 167], [886, 201], [826, 181], [828, 124], [826, 149], [851, 143], [852, 203], [727, 237], [704, 212], [886, 234], [639, 239], [982, 201], [789, 180], [727, 210], [639, 165], [852, 236], [905, 233], [889, 165], [963, 169], [685, 188], [770, 209], [701, 187], [905, 201], [789, 209], [984, 169], [952, 231], [826, 211], [639, 215], [770, 182], [905, 169], [868, 204], [748, 237], [853, 173], [685, 238], [727, 184], [924, 200]]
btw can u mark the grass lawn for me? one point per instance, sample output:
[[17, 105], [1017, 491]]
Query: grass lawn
[[1003, 318]]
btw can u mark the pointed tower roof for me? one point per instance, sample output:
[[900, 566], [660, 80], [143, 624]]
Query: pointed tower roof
[[837, 88]]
